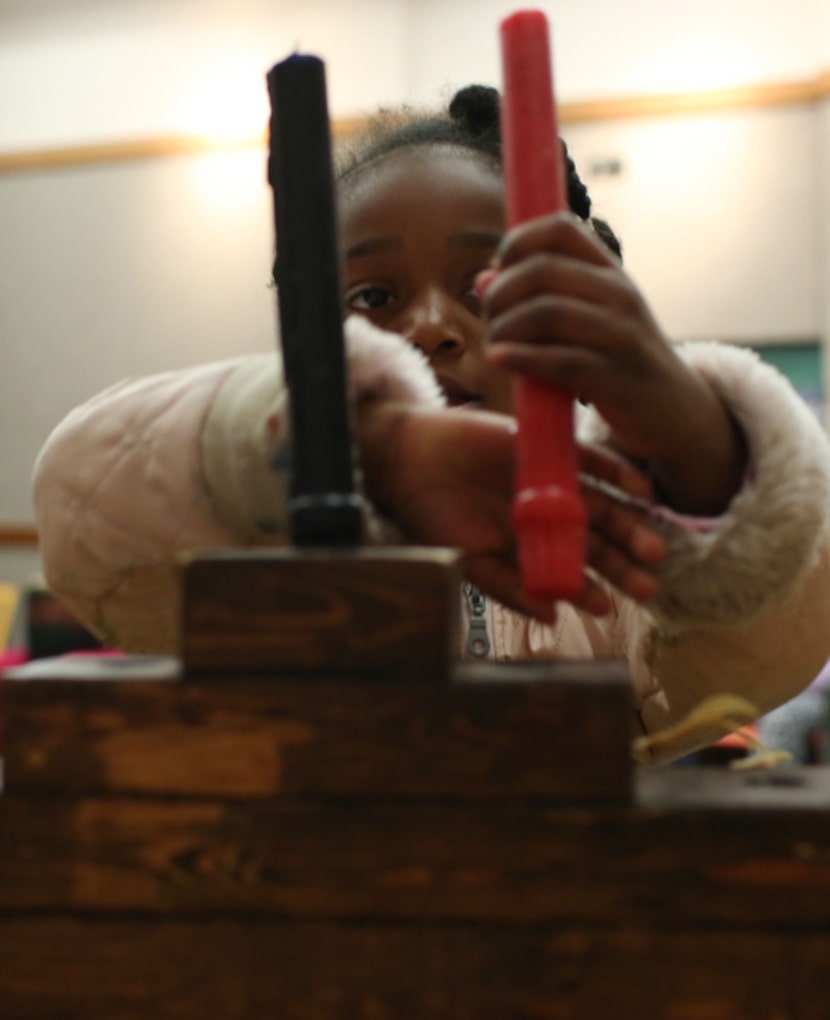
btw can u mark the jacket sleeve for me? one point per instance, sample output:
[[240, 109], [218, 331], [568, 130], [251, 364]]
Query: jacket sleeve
[[157, 467], [744, 599], [119, 492]]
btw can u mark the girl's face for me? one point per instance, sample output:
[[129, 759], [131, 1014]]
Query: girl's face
[[416, 227]]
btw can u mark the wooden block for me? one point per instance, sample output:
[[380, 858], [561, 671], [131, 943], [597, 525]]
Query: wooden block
[[413, 867], [559, 731], [379, 613], [402, 861], [809, 966]]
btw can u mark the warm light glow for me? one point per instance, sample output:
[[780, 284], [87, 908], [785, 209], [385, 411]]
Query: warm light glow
[[699, 64], [230, 180], [228, 102]]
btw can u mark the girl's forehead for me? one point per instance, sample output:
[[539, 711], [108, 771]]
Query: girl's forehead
[[415, 168]]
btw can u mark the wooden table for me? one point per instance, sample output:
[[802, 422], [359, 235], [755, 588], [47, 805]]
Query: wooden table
[[469, 846]]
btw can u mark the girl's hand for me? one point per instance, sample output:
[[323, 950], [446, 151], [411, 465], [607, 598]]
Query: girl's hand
[[623, 550], [562, 310], [447, 479]]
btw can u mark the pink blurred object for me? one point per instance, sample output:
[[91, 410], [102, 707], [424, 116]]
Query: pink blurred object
[[12, 657]]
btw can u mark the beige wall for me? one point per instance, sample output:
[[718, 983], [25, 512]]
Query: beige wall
[[91, 70], [718, 214]]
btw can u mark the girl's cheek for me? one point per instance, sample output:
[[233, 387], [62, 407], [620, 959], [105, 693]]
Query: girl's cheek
[[500, 392]]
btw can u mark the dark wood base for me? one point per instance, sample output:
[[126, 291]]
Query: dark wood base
[[468, 844]]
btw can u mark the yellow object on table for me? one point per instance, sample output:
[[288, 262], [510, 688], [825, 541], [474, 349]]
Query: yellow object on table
[[9, 601]]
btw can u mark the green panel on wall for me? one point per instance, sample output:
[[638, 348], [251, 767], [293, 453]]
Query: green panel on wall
[[802, 364]]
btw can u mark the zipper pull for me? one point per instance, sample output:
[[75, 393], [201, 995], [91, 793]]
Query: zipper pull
[[478, 640]]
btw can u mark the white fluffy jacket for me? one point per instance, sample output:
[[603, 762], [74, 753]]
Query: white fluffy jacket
[[183, 460]]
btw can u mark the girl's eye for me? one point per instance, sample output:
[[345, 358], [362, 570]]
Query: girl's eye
[[366, 299]]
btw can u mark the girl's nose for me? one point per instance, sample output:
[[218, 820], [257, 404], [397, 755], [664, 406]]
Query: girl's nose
[[433, 329]]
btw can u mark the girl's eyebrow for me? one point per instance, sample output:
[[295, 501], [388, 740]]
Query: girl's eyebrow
[[374, 246]]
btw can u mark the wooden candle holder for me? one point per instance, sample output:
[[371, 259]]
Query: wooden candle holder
[[364, 837], [303, 612]]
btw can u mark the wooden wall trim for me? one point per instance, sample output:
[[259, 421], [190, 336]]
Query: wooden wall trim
[[24, 535], [715, 100], [139, 149], [669, 104]]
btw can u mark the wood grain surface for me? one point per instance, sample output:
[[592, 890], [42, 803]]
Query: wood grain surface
[[366, 612], [466, 843]]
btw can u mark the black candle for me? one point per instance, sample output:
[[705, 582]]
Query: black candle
[[323, 506]]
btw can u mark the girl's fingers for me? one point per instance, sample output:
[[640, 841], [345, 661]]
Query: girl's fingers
[[501, 579], [561, 320], [620, 571], [579, 370], [593, 599], [601, 468], [626, 528], [545, 274], [623, 547], [559, 232]]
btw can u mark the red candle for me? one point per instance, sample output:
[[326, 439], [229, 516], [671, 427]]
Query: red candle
[[548, 510]]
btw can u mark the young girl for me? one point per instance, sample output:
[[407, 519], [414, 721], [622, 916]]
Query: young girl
[[712, 575]]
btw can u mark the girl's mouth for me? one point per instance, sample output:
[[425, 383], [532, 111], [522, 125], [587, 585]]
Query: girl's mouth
[[457, 395]]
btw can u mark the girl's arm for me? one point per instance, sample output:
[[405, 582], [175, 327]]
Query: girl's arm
[[157, 467], [119, 492], [743, 596], [562, 310]]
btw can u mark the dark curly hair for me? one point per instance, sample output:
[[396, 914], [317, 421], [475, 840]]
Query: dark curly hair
[[471, 122]]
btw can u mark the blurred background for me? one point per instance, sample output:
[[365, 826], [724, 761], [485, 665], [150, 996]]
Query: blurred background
[[136, 225]]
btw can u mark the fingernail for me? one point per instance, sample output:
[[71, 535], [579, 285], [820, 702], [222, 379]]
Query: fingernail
[[483, 281], [505, 241]]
